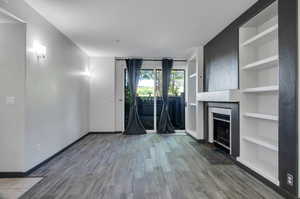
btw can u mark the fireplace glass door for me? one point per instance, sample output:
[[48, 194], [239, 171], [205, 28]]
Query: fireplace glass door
[[222, 130]]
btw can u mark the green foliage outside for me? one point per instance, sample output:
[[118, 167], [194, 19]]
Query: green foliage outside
[[175, 89], [176, 84], [145, 92]]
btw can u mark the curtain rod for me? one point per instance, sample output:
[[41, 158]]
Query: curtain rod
[[176, 60]]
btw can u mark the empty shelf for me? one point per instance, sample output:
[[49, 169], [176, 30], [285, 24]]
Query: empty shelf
[[261, 89], [192, 104], [262, 37], [264, 63], [261, 116], [261, 143]]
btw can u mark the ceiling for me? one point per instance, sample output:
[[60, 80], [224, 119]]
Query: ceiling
[[146, 28], [4, 18]]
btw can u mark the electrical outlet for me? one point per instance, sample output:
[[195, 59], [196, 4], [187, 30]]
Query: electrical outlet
[[290, 179]]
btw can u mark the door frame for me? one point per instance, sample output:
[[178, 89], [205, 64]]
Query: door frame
[[120, 93]]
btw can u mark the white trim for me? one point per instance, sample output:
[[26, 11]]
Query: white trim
[[150, 131], [11, 15], [180, 131], [258, 170]]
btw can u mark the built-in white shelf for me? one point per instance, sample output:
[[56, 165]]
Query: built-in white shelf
[[261, 89], [262, 37], [261, 143], [258, 170], [259, 97], [193, 75], [192, 104], [261, 116], [264, 63]]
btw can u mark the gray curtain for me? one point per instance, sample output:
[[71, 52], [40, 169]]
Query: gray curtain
[[135, 126], [165, 125]]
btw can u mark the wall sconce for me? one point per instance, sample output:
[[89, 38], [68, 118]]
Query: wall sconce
[[87, 73], [39, 50]]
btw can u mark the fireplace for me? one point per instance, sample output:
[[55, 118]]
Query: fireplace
[[221, 128]]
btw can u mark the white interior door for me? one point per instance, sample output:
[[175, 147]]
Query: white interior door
[[120, 79]]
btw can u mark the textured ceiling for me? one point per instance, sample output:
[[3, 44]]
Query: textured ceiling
[[147, 28]]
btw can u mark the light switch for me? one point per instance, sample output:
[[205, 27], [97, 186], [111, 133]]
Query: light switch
[[10, 100]]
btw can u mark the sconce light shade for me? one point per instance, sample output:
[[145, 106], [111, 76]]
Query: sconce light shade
[[39, 50], [87, 72]]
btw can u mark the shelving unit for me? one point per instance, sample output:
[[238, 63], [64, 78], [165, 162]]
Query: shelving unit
[[259, 93], [191, 108], [194, 85]]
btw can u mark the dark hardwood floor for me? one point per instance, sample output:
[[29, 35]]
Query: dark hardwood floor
[[148, 166]]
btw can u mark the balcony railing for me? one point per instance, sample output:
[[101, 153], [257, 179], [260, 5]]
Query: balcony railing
[[146, 111]]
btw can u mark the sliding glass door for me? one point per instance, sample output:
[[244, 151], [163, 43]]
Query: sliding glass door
[[145, 99], [176, 98], [150, 102]]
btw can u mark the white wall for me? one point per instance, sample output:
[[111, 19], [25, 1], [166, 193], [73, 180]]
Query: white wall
[[57, 94], [102, 95], [12, 80]]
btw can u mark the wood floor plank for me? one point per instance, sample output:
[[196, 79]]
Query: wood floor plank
[[143, 167]]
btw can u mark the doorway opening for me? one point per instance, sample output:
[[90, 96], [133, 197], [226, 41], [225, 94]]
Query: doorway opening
[[149, 98]]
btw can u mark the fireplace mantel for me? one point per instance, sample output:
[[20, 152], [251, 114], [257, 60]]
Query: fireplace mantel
[[219, 96]]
